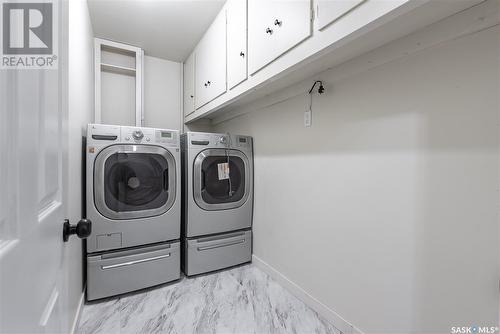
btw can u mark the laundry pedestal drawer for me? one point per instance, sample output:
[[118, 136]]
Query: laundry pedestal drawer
[[119, 272], [217, 252]]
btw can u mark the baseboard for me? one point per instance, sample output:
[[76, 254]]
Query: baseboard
[[76, 320], [331, 316]]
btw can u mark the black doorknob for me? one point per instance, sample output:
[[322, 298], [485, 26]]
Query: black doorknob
[[82, 229]]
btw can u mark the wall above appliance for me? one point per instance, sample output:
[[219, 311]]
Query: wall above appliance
[[164, 29]]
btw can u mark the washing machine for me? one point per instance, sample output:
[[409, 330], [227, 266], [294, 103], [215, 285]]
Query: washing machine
[[133, 178], [218, 201]]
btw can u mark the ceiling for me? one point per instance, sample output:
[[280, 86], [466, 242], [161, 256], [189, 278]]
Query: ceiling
[[167, 29]]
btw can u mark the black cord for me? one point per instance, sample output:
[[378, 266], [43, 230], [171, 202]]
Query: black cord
[[321, 89]]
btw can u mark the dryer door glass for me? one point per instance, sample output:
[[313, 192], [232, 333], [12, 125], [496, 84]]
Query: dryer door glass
[[135, 182], [221, 179], [219, 188]]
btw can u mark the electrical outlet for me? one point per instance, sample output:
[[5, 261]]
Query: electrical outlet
[[307, 118]]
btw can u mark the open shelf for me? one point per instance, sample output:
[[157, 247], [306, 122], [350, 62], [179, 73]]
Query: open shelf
[[118, 69]]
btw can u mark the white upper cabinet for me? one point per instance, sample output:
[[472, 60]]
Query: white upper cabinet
[[274, 27], [277, 43], [210, 63], [328, 11], [236, 42], [188, 79]]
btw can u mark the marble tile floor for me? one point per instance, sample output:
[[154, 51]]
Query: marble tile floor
[[240, 300]]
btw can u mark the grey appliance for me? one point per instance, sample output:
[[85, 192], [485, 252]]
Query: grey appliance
[[218, 201], [134, 203]]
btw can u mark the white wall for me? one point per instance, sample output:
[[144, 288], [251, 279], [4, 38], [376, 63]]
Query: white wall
[[81, 112], [162, 93], [386, 209]]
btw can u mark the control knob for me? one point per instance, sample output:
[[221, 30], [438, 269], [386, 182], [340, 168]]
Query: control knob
[[223, 140], [137, 134]]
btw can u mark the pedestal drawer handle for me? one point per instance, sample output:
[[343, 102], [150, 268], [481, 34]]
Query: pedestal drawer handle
[[222, 244], [111, 266]]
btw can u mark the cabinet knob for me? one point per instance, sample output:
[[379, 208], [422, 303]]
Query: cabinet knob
[[242, 54], [278, 22], [191, 96], [269, 31]]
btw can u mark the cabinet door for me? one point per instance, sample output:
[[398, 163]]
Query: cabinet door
[[188, 78], [236, 42], [328, 11], [210, 62], [292, 24], [261, 36], [276, 26]]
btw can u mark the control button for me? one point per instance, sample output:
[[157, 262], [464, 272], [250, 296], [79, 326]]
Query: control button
[[138, 135], [147, 139], [127, 138]]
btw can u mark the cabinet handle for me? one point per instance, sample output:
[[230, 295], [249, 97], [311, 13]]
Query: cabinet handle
[[269, 31], [242, 54], [191, 96], [278, 23]]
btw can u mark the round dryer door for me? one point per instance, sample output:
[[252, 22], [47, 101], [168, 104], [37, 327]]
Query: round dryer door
[[221, 179], [134, 181]]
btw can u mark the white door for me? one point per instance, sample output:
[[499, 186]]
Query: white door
[[236, 42], [188, 78], [210, 62], [32, 201], [328, 11]]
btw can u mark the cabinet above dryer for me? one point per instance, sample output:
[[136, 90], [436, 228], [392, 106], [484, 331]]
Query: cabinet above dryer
[[274, 27], [237, 55], [210, 63], [288, 41]]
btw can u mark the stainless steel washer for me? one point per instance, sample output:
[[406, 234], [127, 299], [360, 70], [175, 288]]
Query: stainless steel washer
[[218, 200], [134, 201]]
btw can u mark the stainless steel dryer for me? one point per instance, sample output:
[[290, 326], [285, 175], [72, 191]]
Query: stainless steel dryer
[[218, 201], [134, 202]]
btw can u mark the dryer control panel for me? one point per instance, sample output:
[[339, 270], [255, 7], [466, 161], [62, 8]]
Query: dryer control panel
[[219, 140]]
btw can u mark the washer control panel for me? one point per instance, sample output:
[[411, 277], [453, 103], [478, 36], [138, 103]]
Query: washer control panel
[[166, 136], [137, 135]]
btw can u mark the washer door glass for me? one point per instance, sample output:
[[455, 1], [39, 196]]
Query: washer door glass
[[134, 181], [221, 179]]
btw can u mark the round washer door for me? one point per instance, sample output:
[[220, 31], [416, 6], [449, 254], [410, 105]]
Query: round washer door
[[134, 181], [221, 179]]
